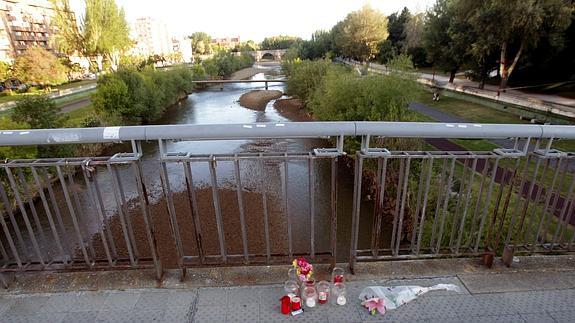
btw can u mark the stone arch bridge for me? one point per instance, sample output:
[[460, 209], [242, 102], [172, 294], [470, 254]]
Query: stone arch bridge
[[275, 53]]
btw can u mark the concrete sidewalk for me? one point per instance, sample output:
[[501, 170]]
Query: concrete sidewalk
[[261, 304], [536, 289]]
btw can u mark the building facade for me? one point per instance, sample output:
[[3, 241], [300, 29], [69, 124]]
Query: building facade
[[228, 42], [151, 37], [24, 23]]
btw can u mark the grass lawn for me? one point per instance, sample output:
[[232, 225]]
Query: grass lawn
[[77, 116], [19, 96]]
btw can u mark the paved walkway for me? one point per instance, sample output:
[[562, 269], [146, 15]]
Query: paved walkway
[[261, 304]]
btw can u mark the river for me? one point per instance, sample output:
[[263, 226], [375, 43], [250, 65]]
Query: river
[[213, 106]]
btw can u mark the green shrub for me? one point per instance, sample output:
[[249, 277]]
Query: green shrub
[[224, 63], [133, 97], [305, 76]]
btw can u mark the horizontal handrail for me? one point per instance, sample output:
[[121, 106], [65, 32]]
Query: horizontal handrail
[[239, 81], [282, 130]]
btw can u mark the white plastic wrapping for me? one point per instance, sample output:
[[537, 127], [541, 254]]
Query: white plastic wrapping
[[396, 296]]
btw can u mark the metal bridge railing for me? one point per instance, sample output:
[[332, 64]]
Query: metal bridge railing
[[168, 205]]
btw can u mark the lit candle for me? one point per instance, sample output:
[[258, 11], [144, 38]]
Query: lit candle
[[310, 302], [323, 297], [341, 300]]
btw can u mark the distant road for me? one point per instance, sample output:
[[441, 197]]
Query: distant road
[[69, 107]]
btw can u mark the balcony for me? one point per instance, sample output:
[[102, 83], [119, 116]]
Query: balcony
[[162, 204]]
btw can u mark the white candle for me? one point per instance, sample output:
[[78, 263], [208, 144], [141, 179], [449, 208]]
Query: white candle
[[341, 300], [310, 302]]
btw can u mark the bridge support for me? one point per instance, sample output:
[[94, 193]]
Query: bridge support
[[266, 85]]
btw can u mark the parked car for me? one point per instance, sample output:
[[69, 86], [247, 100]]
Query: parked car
[[14, 84]]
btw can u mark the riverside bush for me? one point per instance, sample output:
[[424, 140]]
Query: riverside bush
[[224, 63], [135, 97], [306, 76]]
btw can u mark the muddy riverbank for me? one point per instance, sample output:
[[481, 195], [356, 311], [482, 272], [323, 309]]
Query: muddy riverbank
[[259, 99]]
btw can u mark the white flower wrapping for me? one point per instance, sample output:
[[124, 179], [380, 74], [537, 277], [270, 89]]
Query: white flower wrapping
[[396, 296]]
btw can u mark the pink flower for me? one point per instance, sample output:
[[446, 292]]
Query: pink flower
[[373, 304]]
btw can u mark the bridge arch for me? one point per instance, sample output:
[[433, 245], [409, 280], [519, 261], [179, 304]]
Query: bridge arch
[[275, 53]]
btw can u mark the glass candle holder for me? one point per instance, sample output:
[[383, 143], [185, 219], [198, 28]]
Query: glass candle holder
[[323, 292], [291, 288], [337, 275], [339, 293], [309, 296], [292, 275]]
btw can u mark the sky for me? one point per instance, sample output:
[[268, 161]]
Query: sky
[[253, 19]]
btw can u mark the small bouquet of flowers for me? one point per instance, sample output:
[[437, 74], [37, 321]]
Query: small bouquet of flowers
[[303, 268]]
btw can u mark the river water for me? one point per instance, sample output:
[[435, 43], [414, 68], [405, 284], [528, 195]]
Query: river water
[[215, 106]]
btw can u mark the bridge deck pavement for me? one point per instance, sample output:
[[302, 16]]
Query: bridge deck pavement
[[535, 291]]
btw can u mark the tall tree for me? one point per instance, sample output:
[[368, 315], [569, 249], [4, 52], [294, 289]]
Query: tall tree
[[360, 33], [446, 39], [103, 32], [39, 67], [201, 43], [396, 29], [513, 26]]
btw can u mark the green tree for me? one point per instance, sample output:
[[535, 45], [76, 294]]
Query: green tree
[[38, 112], [446, 39], [279, 42], [201, 43], [513, 26], [360, 33], [396, 28], [103, 33], [39, 66]]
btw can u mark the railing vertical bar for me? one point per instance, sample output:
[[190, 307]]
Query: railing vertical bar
[[476, 209], [483, 214], [445, 205], [382, 174], [540, 189], [7, 234], [240, 194], [59, 219], [376, 210], [3, 252], [548, 195], [31, 204], [311, 173], [400, 179], [173, 216], [527, 200], [22, 208], [15, 226], [265, 208], [441, 191], [420, 189], [505, 206], [403, 201], [424, 206], [520, 193], [81, 216], [333, 235], [106, 227], [194, 212], [456, 217], [466, 206], [218, 209], [356, 210], [145, 207], [124, 207], [569, 199], [556, 198], [48, 213], [98, 213], [72, 214], [121, 215], [285, 180]]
